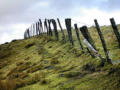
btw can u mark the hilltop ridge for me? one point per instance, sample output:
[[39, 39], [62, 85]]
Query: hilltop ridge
[[42, 63]]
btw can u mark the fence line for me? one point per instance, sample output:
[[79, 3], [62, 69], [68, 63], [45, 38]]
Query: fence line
[[44, 26]]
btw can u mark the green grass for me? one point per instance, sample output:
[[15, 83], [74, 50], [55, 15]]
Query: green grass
[[42, 63]]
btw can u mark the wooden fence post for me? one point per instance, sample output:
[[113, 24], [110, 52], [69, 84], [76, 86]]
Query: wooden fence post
[[115, 29], [39, 31], [41, 27], [78, 37], [69, 30], [50, 30], [33, 29], [86, 34], [63, 35], [37, 28], [92, 55], [28, 33], [46, 26], [103, 42], [55, 28]]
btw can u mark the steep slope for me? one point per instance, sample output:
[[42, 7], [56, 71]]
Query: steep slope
[[42, 63]]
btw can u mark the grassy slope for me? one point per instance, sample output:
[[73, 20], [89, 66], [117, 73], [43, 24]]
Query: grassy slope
[[52, 65]]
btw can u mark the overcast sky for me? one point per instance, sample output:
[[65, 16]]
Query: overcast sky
[[17, 15]]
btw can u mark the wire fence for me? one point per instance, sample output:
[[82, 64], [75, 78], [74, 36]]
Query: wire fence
[[50, 26]]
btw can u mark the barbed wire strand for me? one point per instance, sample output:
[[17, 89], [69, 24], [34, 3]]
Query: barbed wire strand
[[82, 23]]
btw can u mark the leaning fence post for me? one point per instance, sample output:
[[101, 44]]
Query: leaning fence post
[[55, 28], [41, 27], [86, 34], [92, 55], [28, 33], [69, 30], [93, 52], [39, 31], [33, 29], [36, 28], [50, 30], [78, 37], [103, 42], [46, 26], [115, 29], [63, 35]]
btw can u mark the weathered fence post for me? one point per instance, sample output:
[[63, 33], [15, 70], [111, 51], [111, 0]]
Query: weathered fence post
[[115, 29], [33, 29], [37, 28], [78, 37], [103, 42], [50, 30], [93, 52], [92, 55], [39, 31], [63, 35], [86, 34], [46, 26], [41, 27], [28, 33], [69, 30], [55, 28]]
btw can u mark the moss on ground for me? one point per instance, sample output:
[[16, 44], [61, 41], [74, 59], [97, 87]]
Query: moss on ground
[[42, 63]]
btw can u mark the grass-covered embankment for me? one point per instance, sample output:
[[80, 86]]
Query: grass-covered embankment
[[42, 63]]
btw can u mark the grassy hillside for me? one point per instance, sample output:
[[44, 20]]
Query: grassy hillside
[[42, 63]]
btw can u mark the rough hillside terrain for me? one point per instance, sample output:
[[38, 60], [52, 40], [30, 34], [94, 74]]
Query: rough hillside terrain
[[42, 63]]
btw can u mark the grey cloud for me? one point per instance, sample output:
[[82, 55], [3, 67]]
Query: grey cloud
[[68, 4], [11, 10], [111, 5], [106, 5], [21, 11]]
